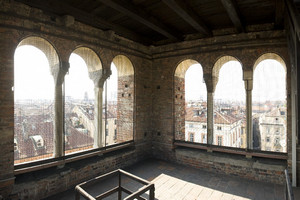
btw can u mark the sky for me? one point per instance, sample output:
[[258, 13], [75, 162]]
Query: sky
[[77, 81], [32, 74], [269, 82], [34, 81], [230, 85], [195, 88]]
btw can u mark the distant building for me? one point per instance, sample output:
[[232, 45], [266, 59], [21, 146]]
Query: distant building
[[195, 125], [85, 115], [229, 126], [272, 130]]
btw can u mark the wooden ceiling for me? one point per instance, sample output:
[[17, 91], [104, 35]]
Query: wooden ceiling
[[156, 22]]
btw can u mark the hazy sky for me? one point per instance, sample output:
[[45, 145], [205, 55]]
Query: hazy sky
[[32, 74], [230, 85], [77, 81], [38, 83], [269, 82], [195, 88], [34, 81]]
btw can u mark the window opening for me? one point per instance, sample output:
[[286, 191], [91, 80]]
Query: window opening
[[191, 139], [229, 105], [220, 140], [118, 112], [195, 103], [33, 105], [269, 106], [79, 107]]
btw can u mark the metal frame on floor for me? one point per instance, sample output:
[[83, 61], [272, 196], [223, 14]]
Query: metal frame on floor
[[132, 195], [289, 195]]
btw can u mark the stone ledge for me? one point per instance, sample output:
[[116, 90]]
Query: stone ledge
[[260, 169]]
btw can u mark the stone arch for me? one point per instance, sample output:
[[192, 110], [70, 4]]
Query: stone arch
[[183, 66], [125, 99], [45, 46], [91, 59], [217, 66], [272, 56], [124, 66]]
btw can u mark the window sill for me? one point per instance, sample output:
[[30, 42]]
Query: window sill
[[53, 162], [231, 150]]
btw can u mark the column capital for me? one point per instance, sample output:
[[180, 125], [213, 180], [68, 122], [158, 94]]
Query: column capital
[[99, 77], [59, 71], [247, 75], [211, 82], [248, 79]]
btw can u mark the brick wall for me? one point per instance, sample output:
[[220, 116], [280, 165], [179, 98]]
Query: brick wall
[[179, 106], [6, 111], [125, 108], [235, 165]]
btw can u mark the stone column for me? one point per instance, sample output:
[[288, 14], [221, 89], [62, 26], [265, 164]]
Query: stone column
[[99, 77], [211, 83], [99, 137], [58, 72], [248, 79], [210, 117]]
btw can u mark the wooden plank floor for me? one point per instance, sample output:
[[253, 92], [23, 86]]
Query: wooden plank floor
[[177, 182]]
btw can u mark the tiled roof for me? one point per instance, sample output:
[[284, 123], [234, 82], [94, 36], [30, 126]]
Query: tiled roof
[[199, 115]]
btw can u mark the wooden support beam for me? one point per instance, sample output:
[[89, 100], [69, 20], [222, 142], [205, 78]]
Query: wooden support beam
[[294, 16], [99, 9], [56, 7], [116, 17], [188, 15], [139, 15], [279, 14], [233, 12]]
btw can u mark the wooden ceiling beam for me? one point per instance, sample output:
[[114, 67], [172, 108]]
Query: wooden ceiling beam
[[233, 13], [116, 17], [279, 13], [57, 6], [139, 15], [188, 15], [99, 9]]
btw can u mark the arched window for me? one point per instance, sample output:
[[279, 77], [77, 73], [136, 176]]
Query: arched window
[[269, 104], [229, 106], [118, 102], [190, 103], [33, 100], [79, 104]]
